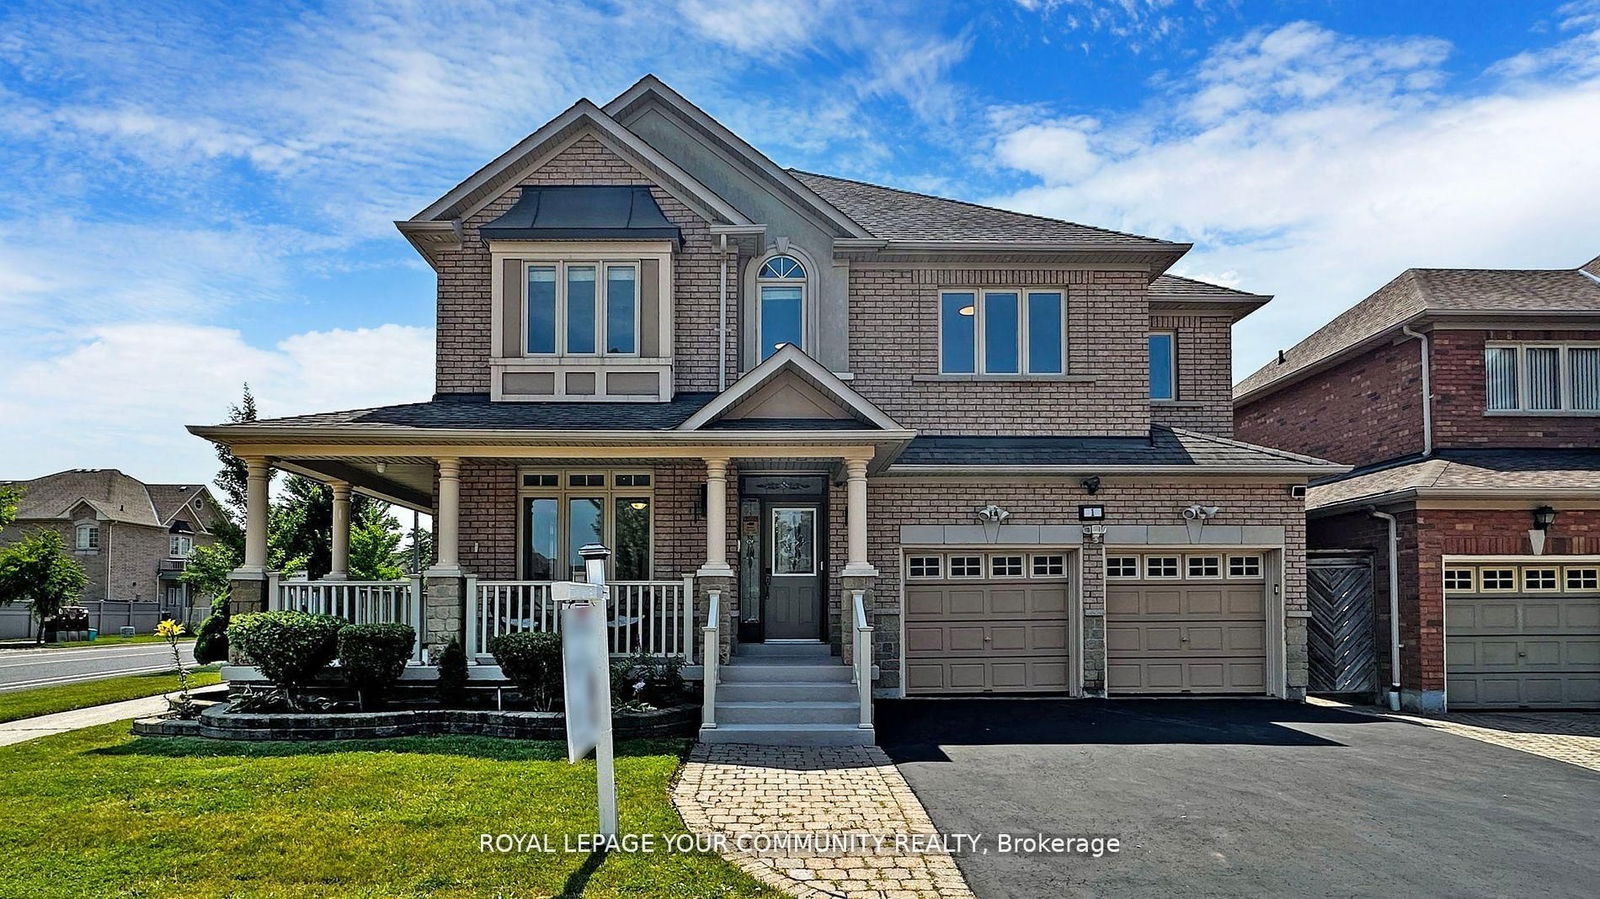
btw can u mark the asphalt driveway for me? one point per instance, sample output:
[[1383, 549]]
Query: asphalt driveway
[[1244, 798]]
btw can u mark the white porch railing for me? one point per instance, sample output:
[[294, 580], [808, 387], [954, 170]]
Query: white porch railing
[[655, 617], [862, 673], [710, 658], [358, 602]]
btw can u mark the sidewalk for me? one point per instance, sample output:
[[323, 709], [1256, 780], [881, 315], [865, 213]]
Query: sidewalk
[[25, 729]]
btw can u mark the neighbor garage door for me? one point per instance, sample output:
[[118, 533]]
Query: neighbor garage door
[[1185, 623], [1522, 636], [986, 622]]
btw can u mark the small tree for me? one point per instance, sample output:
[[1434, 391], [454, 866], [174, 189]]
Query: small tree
[[210, 569], [37, 570], [10, 498], [375, 545]]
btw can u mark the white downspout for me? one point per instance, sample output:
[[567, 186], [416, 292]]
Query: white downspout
[[1427, 388], [722, 314], [1394, 605]]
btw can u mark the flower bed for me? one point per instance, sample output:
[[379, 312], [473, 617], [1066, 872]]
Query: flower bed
[[219, 723]]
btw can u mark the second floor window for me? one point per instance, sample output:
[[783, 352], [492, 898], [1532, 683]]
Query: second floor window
[[781, 286], [1542, 378], [1002, 332], [88, 537], [179, 546], [1163, 366], [583, 308]]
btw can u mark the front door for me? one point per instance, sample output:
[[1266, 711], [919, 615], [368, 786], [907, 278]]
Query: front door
[[792, 575]]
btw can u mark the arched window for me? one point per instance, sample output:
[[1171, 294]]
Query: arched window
[[781, 287]]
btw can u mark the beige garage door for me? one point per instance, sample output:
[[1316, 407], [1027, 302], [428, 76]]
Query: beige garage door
[[986, 622], [1185, 623], [1522, 636]]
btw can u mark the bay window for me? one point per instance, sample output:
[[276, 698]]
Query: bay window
[[582, 308], [1542, 377], [562, 511], [1002, 332]]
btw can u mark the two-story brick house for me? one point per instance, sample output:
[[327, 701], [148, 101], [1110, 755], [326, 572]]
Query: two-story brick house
[[809, 397], [1469, 402], [132, 538]]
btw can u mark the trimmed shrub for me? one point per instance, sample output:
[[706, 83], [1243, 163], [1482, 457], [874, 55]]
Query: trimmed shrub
[[452, 683], [288, 647], [532, 661], [647, 679], [372, 657], [211, 640]]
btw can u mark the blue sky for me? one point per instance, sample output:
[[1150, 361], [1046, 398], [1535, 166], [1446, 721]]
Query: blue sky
[[202, 194]]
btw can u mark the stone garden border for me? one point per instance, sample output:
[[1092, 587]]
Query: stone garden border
[[219, 723]]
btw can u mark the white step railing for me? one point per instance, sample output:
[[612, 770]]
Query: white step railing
[[711, 657], [358, 602], [655, 617], [862, 675]]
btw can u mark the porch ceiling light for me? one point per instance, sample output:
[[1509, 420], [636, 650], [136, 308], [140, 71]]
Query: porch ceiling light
[[638, 505], [1543, 517], [966, 310]]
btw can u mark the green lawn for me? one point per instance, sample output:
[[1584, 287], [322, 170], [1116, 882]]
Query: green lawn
[[66, 697], [100, 813], [114, 640]]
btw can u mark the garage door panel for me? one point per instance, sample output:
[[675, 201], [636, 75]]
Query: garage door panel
[[1186, 638], [1007, 636], [1522, 650]]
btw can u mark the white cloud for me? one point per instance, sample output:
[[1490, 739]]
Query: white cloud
[[1317, 166], [122, 396]]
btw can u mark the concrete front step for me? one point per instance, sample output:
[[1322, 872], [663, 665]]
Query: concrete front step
[[789, 734], [785, 691], [770, 712], [817, 651], [771, 672]]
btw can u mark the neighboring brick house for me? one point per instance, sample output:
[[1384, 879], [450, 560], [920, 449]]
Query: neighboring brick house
[[131, 538], [980, 429], [1469, 402]]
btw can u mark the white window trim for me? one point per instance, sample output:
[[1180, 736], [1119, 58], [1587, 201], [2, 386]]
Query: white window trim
[[1172, 368], [1247, 558], [92, 545], [1472, 580], [1522, 576], [980, 355], [950, 570], [173, 546], [809, 300], [1188, 575], [1179, 568], [1023, 563], [938, 562], [1563, 374], [602, 323], [1516, 579], [562, 493], [1566, 574], [1033, 565], [1138, 568]]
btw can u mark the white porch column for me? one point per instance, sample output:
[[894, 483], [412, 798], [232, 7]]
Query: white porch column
[[856, 564], [716, 520], [255, 525], [447, 525], [339, 570]]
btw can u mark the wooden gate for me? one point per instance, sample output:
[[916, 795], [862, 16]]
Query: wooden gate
[[1340, 640]]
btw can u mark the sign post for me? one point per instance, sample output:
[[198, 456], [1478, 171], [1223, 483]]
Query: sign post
[[586, 676]]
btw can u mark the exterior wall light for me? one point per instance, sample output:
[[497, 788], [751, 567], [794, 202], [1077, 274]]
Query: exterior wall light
[[1543, 517]]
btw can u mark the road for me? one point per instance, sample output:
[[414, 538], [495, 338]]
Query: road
[[22, 669]]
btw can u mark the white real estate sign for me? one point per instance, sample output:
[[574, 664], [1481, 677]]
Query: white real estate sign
[[586, 676]]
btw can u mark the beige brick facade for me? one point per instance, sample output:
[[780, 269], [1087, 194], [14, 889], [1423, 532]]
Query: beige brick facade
[[464, 334]]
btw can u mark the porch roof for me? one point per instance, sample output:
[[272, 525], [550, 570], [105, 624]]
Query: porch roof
[[1166, 449], [1486, 474]]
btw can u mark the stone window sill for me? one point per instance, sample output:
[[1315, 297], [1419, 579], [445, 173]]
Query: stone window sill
[[1176, 404], [1533, 413], [1005, 379]]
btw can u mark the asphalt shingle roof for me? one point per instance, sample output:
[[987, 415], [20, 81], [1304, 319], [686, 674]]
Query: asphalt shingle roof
[[116, 496], [892, 214], [1417, 291], [476, 411], [1177, 289], [1486, 469], [1164, 446]]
